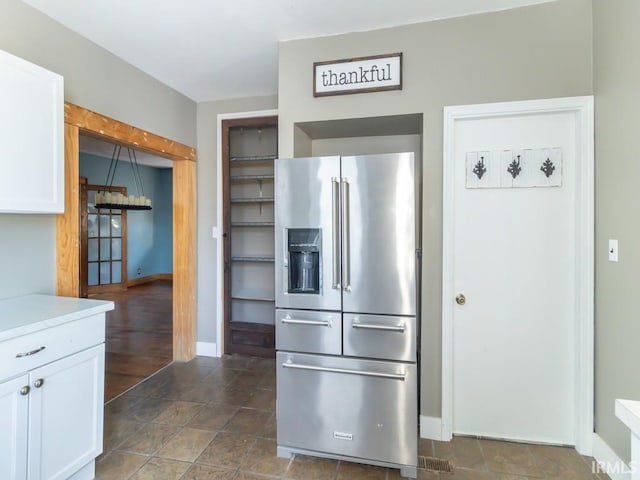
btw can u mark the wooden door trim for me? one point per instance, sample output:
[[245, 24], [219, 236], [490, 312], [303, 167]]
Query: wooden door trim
[[78, 121], [582, 108], [100, 126], [220, 334], [68, 223]]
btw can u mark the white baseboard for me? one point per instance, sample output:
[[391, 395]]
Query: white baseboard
[[609, 461], [430, 427], [206, 349]]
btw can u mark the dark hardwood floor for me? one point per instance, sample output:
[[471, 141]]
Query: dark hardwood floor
[[139, 335]]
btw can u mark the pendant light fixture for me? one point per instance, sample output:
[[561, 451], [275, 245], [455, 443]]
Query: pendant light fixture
[[106, 199]]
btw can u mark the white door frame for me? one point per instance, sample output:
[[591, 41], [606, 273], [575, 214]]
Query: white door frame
[[582, 107], [219, 253]]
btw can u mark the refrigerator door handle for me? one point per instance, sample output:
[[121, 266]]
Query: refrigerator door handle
[[335, 198], [295, 321], [387, 328], [364, 373], [346, 247]]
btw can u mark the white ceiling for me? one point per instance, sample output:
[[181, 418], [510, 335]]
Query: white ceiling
[[215, 49]]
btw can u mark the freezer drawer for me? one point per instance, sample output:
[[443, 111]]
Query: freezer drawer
[[380, 336], [309, 331], [357, 408]]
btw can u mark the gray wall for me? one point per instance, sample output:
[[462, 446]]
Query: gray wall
[[616, 39], [94, 79], [208, 203], [533, 52], [27, 255]]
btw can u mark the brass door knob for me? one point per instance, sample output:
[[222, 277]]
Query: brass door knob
[[460, 299]]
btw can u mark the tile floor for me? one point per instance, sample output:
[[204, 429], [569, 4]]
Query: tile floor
[[213, 419]]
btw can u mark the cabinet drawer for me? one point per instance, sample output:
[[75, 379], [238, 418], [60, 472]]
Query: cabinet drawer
[[30, 351], [357, 408], [308, 331], [380, 336]]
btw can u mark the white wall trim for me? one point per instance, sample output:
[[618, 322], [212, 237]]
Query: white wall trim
[[431, 427], [612, 463], [219, 254], [583, 109], [206, 349]]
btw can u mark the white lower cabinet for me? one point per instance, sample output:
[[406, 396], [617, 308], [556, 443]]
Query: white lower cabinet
[[51, 419], [51, 387]]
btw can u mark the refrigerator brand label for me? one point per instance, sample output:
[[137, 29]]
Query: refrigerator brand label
[[343, 436]]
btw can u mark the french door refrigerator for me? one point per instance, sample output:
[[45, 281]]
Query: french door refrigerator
[[346, 286]]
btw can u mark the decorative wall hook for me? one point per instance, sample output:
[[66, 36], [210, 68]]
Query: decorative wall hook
[[515, 168], [480, 169], [548, 167]]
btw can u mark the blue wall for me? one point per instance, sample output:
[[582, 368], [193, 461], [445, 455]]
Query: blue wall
[[163, 222], [149, 232]]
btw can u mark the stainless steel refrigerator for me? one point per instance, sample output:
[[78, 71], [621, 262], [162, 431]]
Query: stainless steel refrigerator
[[347, 247]]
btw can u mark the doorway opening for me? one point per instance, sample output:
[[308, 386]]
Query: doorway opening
[[126, 258], [79, 121], [248, 149]]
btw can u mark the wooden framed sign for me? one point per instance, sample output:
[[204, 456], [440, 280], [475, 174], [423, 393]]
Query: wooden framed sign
[[358, 75]]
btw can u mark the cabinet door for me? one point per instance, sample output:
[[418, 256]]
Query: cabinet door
[[65, 415], [13, 429], [31, 137]]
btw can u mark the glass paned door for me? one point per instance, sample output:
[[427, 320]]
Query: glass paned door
[[106, 244]]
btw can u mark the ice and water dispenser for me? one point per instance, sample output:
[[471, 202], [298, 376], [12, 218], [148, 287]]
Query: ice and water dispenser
[[303, 248]]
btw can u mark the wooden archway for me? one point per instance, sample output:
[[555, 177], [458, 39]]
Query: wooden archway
[[78, 121]]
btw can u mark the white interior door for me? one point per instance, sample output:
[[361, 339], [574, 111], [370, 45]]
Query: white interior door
[[513, 365]]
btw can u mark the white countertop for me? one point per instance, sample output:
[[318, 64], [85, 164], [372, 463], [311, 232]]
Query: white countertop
[[30, 313], [629, 412]]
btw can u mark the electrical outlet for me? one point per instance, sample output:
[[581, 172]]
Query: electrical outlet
[[613, 250], [139, 271]]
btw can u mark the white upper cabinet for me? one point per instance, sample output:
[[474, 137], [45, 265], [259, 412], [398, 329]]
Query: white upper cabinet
[[31, 138]]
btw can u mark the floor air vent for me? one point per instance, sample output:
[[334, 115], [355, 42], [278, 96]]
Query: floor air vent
[[435, 464]]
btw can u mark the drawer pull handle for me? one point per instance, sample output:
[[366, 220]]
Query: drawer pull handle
[[364, 373], [32, 352], [38, 383], [386, 328], [317, 323], [25, 390]]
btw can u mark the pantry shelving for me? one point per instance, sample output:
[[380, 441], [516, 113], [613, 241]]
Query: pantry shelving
[[249, 152]]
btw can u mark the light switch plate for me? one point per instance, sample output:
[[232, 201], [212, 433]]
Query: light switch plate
[[214, 232], [613, 250]]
